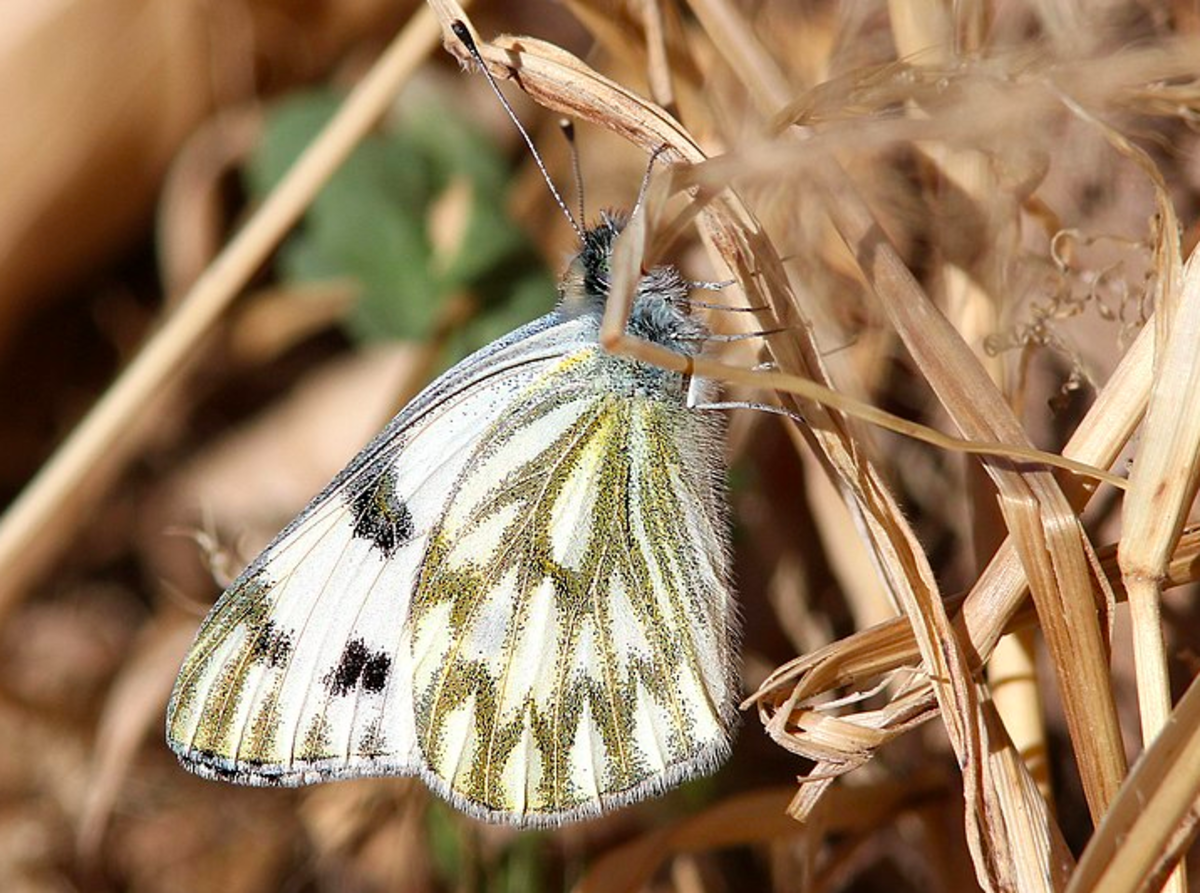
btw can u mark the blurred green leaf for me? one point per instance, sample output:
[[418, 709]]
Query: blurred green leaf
[[521, 870], [446, 850], [371, 223], [457, 150]]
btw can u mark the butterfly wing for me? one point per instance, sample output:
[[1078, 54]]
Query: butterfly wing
[[572, 632], [296, 675]]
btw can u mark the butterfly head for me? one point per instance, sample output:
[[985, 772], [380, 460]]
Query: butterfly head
[[660, 307]]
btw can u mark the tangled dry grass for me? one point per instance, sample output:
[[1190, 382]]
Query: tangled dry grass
[[970, 647]]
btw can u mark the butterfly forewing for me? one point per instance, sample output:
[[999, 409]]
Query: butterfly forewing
[[572, 628], [297, 674]]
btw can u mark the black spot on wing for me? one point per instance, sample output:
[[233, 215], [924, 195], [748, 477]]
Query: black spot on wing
[[272, 646], [345, 675], [375, 673], [358, 665], [381, 516]]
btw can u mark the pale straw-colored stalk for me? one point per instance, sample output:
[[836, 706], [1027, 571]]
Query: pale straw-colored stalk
[[926, 34], [564, 84], [38, 525]]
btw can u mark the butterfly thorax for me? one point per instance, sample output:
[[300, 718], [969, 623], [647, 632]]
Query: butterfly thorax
[[660, 309]]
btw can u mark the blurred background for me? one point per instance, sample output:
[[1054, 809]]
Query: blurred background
[[139, 134]]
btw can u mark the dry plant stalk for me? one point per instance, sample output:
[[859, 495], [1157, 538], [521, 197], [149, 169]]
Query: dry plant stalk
[[1153, 820], [857, 661], [1163, 487], [79, 473]]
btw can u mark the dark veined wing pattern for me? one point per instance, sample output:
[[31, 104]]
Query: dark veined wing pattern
[[288, 680], [519, 591], [572, 631]]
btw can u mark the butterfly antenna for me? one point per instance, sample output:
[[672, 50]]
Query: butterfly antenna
[[568, 129], [641, 196], [463, 33]]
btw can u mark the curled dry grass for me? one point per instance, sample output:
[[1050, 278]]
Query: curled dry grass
[[891, 188]]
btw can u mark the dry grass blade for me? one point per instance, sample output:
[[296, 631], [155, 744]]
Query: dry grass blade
[[1154, 818], [1046, 532], [1166, 470], [857, 661], [1163, 484], [809, 390], [765, 82], [928, 40], [1099, 439], [658, 66], [1164, 479], [985, 613]]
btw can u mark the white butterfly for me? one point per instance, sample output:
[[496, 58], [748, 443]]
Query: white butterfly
[[518, 591]]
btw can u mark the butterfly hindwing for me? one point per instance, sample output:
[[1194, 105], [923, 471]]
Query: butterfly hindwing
[[297, 674], [572, 628]]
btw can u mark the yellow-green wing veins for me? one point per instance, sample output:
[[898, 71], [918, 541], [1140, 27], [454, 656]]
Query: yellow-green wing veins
[[572, 629]]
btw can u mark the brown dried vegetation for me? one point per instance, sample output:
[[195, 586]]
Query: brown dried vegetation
[[977, 217]]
